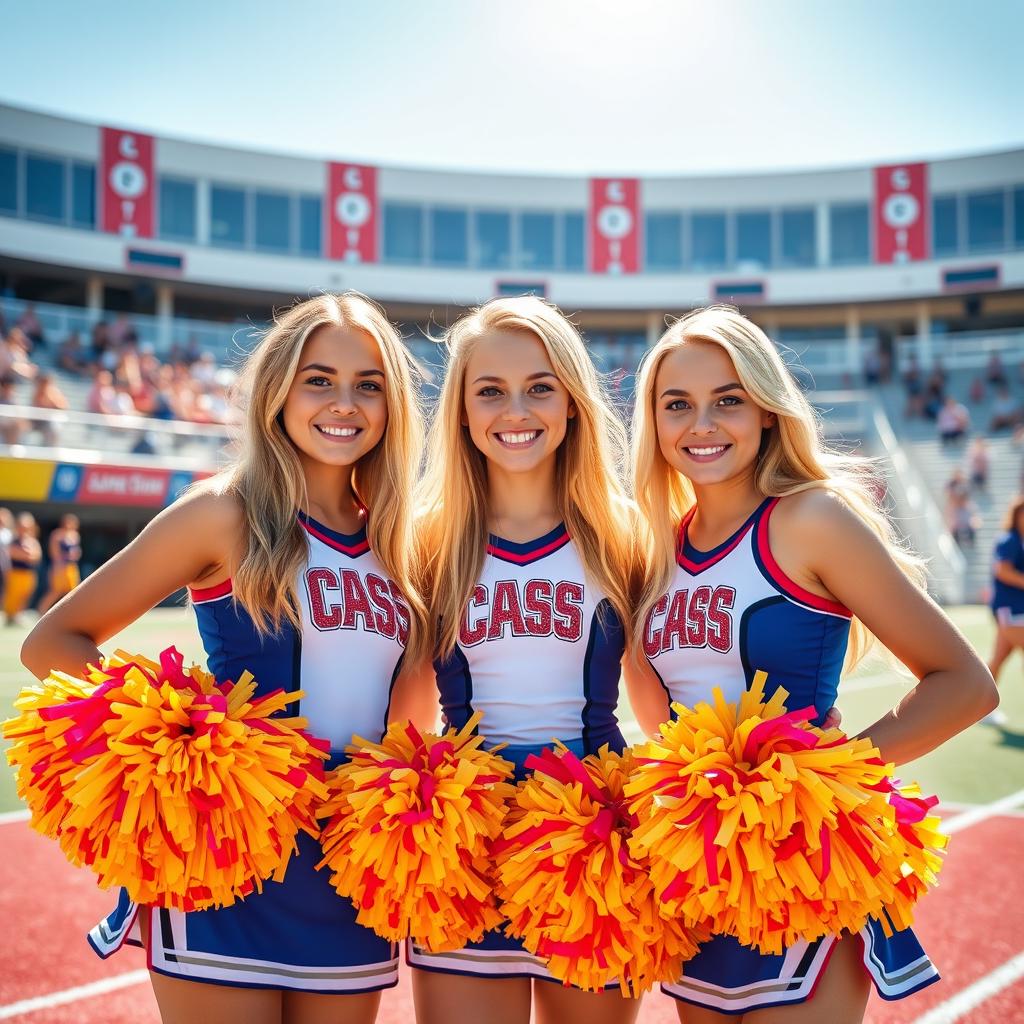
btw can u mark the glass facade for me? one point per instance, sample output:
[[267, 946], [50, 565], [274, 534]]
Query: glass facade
[[45, 197], [754, 237], [709, 251], [403, 233], [1018, 217], [449, 236], [227, 216], [177, 210], [537, 241], [83, 195], [986, 221], [272, 221], [798, 247], [310, 225], [945, 226], [849, 231], [9, 180], [663, 239], [574, 246], [492, 239]]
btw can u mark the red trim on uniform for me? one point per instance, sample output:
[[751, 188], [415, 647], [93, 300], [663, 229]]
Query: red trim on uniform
[[352, 550], [695, 567], [526, 557], [784, 583], [200, 595]]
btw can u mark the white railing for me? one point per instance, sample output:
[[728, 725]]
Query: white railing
[[964, 350]]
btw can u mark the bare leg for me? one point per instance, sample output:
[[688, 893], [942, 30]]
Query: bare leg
[[446, 998], [313, 1008], [557, 1004], [193, 1002], [1002, 650]]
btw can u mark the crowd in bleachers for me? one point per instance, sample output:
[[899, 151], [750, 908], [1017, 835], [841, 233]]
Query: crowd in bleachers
[[126, 377]]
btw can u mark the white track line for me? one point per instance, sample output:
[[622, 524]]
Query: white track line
[[72, 995], [978, 814], [8, 817], [974, 995]]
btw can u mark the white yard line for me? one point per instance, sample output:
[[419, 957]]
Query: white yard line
[[9, 817], [984, 812], [958, 1006], [72, 995]]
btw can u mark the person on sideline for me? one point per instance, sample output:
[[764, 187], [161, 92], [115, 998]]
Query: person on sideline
[[765, 551], [65, 551], [298, 562], [25, 554], [1008, 596]]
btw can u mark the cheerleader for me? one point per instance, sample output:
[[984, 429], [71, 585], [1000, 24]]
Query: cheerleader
[[65, 549], [526, 543], [765, 551], [25, 554], [1008, 595], [298, 567]]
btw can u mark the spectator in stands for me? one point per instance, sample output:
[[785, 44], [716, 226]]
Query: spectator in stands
[[102, 397], [146, 444], [120, 330], [976, 395], [963, 519], [872, 366], [1006, 410], [47, 395], [995, 372], [71, 355], [934, 393], [29, 322], [953, 420], [204, 370], [164, 401], [14, 359], [100, 342], [123, 400], [11, 428], [913, 387], [978, 462], [1008, 595], [25, 554]]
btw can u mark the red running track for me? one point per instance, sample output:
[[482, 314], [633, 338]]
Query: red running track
[[971, 924]]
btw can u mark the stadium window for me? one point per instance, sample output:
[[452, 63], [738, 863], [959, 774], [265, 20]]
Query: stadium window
[[1018, 217], [945, 228], [45, 188], [849, 232], [537, 241], [310, 225], [177, 209], [986, 221], [272, 221], [573, 244], [227, 216], [83, 195], [663, 234], [798, 241], [8, 180], [708, 232], [449, 243], [754, 237], [403, 233], [492, 239]]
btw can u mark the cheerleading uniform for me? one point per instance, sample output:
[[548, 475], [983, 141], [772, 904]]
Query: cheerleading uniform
[[732, 612], [64, 572], [539, 653], [1007, 599], [298, 933]]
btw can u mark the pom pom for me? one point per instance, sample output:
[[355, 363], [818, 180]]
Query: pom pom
[[412, 819], [183, 790], [773, 830], [570, 887]]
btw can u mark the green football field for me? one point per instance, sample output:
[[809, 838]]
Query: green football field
[[978, 766]]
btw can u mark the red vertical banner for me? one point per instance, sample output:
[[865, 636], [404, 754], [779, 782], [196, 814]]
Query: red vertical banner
[[351, 210], [614, 225], [901, 213], [126, 183]]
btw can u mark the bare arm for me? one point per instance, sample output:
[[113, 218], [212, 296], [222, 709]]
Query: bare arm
[[954, 688], [190, 542], [1005, 573], [647, 695], [415, 698]]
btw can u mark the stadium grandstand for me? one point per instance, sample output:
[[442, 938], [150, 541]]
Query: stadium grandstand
[[134, 270]]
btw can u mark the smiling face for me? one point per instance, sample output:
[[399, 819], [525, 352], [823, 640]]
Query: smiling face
[[709, 428], [336, 408], [516, 408]]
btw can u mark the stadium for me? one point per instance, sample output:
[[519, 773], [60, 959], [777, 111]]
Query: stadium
[[136, 269]]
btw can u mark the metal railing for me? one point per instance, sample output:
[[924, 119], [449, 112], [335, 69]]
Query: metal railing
[[964, 350]]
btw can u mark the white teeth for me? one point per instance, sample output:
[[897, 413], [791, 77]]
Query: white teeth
[[337, 431], [520, 437], [707, 451]]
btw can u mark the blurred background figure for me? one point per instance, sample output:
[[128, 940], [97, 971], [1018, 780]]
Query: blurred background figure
[[23, 577], [65, 551], [1008, 596], [47, 395], [6, 536]]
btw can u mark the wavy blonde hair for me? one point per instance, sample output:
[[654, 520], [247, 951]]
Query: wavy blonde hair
[[794, 456], [268, 480], [590, 496]]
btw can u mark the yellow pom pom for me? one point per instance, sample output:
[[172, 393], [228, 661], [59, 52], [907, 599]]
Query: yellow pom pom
[[570, 887], [773, 830], [185, 791], [412, 819]]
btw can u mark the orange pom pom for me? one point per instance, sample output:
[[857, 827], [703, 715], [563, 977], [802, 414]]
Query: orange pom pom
[[185, 791], [412, 819], [570, 887]]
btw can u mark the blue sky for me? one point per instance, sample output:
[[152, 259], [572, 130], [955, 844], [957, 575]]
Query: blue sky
[[575, 86]]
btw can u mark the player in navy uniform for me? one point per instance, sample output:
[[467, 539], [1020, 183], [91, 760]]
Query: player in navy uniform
[[527, 541], [298, 563], [1008, 594], [766, 552]]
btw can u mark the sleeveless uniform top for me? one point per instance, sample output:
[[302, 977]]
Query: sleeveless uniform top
[[732, 612], [539, 649], [70, 550], [347, 682], [1009, 548]]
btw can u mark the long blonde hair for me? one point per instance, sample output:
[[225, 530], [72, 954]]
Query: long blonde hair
[[268, 480], [590, 496], [794, 456]]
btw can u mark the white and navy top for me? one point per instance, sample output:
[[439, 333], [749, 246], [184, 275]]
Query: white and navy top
[[1009, 548], [355, 624], [539, 649], [732, 612]]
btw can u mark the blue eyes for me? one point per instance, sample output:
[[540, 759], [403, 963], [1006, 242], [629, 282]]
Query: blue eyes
[[319, 381], [679, 404], [536, 389]]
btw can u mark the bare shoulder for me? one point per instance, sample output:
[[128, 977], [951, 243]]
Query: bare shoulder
[[817, 515], [209, 508]]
